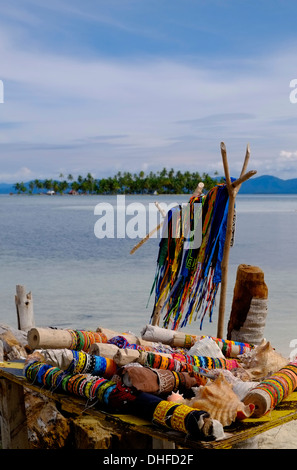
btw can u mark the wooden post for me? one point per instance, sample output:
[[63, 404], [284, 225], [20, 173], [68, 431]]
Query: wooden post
[[14, 431], [249, 306], [24, 307], [157, 313], [233, 188]]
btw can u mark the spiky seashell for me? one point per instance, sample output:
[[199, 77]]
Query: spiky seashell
[[206, 347], [220, 401], [176, 397], [262, 361], [239, 386]]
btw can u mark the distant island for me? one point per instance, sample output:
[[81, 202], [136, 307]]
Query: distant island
[[161, 182]]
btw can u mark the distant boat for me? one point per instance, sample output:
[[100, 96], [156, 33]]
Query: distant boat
[[50, 193]]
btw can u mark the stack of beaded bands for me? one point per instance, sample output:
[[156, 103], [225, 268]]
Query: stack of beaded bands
[[228, 347], [115, 395], [177, 416], [83, 339], [84, 363], [231, 348], [186, 363], [271, 391], [84, 385]]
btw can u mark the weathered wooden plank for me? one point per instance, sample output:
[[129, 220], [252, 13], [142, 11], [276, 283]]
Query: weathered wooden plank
[[14, 430], [239, 431]]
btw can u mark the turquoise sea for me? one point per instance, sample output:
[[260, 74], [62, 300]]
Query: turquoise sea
[[48, 244]]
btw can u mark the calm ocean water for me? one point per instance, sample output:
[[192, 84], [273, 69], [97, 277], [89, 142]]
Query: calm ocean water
[[80, 281]]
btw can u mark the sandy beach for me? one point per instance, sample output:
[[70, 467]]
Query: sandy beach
[[282, 437]]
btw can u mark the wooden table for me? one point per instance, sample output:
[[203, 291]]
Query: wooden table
[[14, 430]]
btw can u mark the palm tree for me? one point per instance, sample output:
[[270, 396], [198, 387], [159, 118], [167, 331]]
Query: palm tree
[[62, 186], [31, 187], [90, 183], [48, 184], [38, 184], [20, 188]]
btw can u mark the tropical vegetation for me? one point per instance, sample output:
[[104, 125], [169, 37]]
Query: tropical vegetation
[[161, 182]]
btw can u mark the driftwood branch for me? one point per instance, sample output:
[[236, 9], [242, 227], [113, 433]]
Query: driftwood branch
[[243, 178], [233, 189], [151, 233], [24, 308], [246, 160]]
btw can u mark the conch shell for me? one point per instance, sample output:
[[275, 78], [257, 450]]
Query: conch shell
[[219, 400], [262, 361]]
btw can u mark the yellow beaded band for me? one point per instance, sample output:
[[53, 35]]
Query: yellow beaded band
[[164, 362], [161, 411], [188, 341], [176, 378], [81, 362], [179, 417]]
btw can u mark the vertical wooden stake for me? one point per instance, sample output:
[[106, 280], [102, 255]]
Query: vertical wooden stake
[[24, 307], [233, 188], [224, 267]]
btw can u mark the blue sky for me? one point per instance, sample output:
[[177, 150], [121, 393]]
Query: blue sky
[[130, 85]]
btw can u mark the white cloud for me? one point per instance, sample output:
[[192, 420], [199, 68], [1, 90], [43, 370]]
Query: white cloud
[[288, 156], [23, 174], [161, 112]]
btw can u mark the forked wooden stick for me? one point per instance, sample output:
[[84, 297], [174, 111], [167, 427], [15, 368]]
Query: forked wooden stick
[[233, 188]]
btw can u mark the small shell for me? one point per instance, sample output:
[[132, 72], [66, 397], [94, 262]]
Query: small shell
[[206, 347], [262, 361], [176, 397], [219, 400]]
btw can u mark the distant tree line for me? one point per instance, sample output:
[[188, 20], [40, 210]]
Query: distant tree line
[[161, 182]]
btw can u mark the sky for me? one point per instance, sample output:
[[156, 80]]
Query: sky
[[138, 85]]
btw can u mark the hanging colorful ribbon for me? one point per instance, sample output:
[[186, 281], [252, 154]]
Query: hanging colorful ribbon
[[188, 277]]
